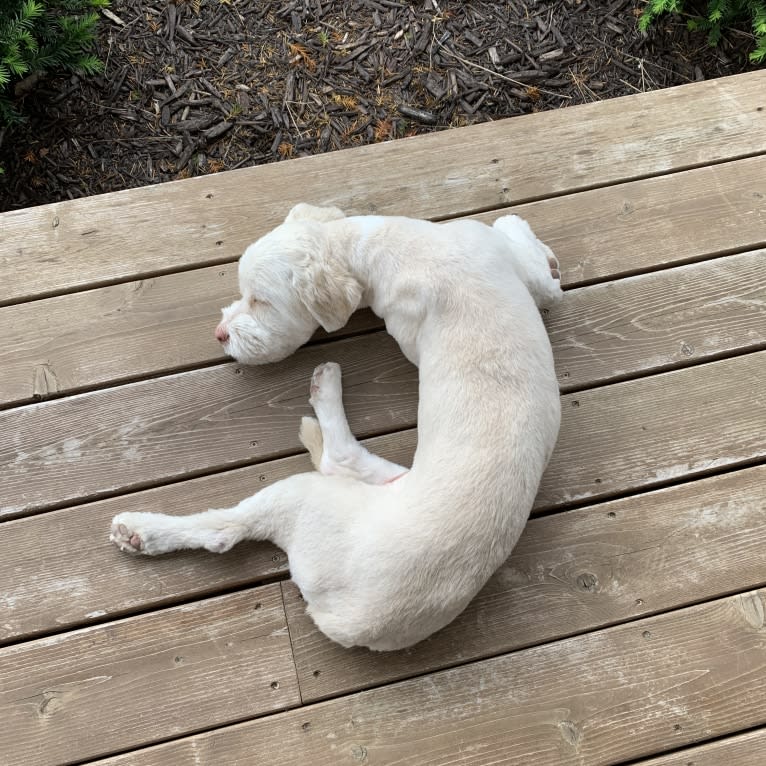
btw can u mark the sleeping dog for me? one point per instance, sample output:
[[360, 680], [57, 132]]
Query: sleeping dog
[[385, 555]]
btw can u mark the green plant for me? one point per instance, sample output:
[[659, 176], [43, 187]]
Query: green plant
[[40, 36], [719, 14]]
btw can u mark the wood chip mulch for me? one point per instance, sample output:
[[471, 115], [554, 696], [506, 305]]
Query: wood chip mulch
[[202, 86]]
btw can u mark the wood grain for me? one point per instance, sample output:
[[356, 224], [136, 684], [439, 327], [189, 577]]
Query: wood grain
[[614, 439], [596, 699], [109, 441], [119, 236], [58, 570], [633, 227], [660, 321], [742, 750], [118, 333], [125, 684], [573, 573], [659, 429], [113, 334]]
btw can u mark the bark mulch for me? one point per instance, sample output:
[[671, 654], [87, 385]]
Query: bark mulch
[[202, 86]]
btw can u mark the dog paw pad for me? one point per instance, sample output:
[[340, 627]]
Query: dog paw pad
[[126, 539]]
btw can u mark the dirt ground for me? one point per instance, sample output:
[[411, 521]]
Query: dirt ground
[[202, 86]]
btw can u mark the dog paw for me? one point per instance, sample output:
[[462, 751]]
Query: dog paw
[[325, 383], [553, 263], [131, 533]]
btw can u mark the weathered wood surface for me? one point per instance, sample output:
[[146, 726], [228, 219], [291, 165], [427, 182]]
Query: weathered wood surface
[[632, 227], [116, 237], [646, 432], [659, 321], [165, 324], [613, 439], [743, 750], [99, 337], [571, 573], [597, 699], [205, 420], [125, 684], [58, 569], [583, 648]]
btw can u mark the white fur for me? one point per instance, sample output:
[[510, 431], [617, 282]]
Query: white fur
[[384, 559]]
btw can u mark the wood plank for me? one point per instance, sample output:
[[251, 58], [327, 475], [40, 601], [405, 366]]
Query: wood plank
[[633, 227], [115, 334], [614, 439], [660, 321], [52, 565], [572, 573], [128, 683], [597, 699], [742, 750], [647, 432], [117, 237], [142, 433], [165, 324]]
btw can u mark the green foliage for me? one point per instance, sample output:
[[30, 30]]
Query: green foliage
[[39, 36], [719, 14]]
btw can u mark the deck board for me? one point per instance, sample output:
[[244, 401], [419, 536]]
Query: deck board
[[123, 235], [626, 625], [611, 441], [573, 573], [633, 227], [121, 685], [106, 336], [743, 750], [601, 698], [668, 427], [659, 321]]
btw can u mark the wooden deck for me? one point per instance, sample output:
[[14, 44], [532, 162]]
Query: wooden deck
[[628, 626]]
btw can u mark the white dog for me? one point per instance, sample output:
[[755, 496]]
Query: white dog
[[383, 555]]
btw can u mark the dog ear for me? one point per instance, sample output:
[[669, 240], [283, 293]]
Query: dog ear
[[326, 288], [305, 212]]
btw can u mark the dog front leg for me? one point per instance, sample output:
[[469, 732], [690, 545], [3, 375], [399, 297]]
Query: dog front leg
[[334, 450]]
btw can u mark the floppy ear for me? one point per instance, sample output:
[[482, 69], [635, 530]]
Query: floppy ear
[[305, 212], [327, 288]]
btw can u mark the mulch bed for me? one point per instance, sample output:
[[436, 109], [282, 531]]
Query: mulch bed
[[202, 86]]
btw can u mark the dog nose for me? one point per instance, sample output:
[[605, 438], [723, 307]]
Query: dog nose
[[221, 333]]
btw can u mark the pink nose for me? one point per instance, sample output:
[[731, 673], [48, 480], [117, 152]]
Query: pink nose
[[221, 333]]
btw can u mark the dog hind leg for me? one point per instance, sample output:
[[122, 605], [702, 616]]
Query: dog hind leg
[[535, 262], [267, 515], [334, 449]]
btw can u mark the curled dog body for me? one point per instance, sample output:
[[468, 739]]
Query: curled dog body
[[385, 555]]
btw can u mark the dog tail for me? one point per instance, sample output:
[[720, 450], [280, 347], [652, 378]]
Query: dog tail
[[310, 435]]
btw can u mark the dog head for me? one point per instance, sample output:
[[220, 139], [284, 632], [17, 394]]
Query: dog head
[[292, 281]]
